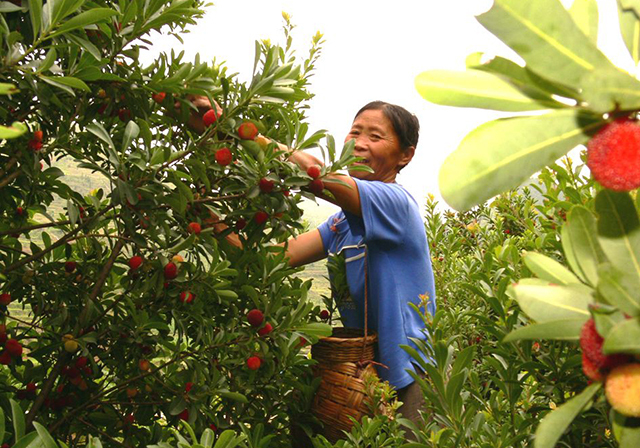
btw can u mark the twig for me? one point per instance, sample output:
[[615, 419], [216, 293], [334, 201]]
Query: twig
[[99, 431], [12, 161], [7, 180], [46, 390], [34, 227]]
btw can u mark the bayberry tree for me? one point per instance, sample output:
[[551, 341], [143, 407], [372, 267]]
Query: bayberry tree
[[584, 98], [127, 307]]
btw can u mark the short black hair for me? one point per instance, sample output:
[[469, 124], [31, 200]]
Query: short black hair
[[404, 123]]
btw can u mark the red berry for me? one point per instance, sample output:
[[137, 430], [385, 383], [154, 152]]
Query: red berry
[[316, 186], [14, 347], [184, 415], [265, 330], [224, 156], [186, 297], [37, 135], [254, 363], [209, 118], [31, 387], [302, 342], [590, 370], [266, 185], [135, 262], [170, 271], [81, 362], [241, 224], [187, 387], [260, 217], [129, 419], [5, 358], [5, 299], [144, 365], [195, 227], [255, 317], [124, 114], [36, 145], [324, 315], [213, 427], [591, 344], [247, 131], [613, 155], [313, 171], [19, 211], [70, 266], [159, 97]]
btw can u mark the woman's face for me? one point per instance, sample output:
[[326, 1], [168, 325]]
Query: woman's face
[[378, 144]]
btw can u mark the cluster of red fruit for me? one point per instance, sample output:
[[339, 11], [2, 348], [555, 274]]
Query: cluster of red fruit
[[36, 142], [613, 155], [75, 370], [620, 372], [12, 348], [255, 317]]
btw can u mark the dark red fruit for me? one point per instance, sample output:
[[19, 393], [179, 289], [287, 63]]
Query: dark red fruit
[[5, 299], [14, 347], [70, 266], [265, 330], [184, 415], [241, 224], [224, 156], [260, 217], [266, 185], [324, 315], [195, 227], [313, 171], [159, 97], [37, 135], [135, 262], [255, 318], [36, 145], [187, 387], [209, 118], [170, 271], [5, 358], [186, 297], [316, 186], [124, 114]]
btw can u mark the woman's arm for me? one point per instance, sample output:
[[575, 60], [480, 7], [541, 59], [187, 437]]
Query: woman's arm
[[305, 248]]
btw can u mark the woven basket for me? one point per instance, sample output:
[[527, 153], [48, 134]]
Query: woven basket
[[342, 367]]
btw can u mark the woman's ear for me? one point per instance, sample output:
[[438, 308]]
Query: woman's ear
[[406, 157]]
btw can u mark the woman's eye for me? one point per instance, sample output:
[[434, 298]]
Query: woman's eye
[[375, 137]]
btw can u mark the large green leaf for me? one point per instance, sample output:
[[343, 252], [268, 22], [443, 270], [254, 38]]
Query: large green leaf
[[477, 88], [35, 14], [625, 430], [631, 5], [17, 414], [543, 33], [619, 231], [563, 330], [85, 18], [580, 244], [549, 269], [45, 438], [544, 301], [630, 30], [624, 337], [585, 14], [15, 130], [557, 421], [502, 154], [620, 289]]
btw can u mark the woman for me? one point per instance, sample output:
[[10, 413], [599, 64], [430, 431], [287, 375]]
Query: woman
[[379, 227]]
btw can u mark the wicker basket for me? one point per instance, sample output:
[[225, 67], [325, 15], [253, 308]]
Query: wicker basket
[[342, 366]]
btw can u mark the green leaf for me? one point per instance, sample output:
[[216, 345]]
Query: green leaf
[[581, 246], [626, 430], [227, 439], [544, 302], [557, 421], [2, 424], [45, 437], [83, 19], [620, 289], [631, 5], [18, 420], [563, 330], [48, 60], [99, 131], [315, 329], [207, 438], [30, 440], [610, 89], [91, 49], [543, 33], [619, 231], [130, 133], [630, 30], [235, 396], [66, 83], [624, 337], [7, 89], [501, 154], [62, 8], [549, 269], [477, 88], [585, 14], [35, 13], [13, 131]]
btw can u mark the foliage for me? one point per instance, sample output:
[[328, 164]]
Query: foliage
[[127, 353]]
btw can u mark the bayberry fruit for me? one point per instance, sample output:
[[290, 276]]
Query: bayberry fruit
[[195, 227], [254, 363], [224, 156], [255, 317], [313, 171], [266, 185], [265, 330], [209, 118], [159, 97], [247, 131], [135, 262], [170, 271], [260, 217]]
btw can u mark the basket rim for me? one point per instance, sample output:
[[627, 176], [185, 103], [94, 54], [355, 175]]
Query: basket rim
[[372, 336]]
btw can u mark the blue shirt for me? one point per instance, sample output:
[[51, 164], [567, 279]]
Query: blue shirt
[[399, 267]]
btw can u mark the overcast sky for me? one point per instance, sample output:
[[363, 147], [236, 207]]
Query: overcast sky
[[374, 50]]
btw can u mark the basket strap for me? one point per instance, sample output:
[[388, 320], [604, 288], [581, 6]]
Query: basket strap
[[366, 304]]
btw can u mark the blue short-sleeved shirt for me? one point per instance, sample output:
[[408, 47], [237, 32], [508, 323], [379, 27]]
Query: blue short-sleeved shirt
[[399, 266]]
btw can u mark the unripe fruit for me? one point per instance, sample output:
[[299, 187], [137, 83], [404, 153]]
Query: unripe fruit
[[170, 271], [613, 155], [195, 227], [159, 97], [324, 315], [247, 131], [224, 156], [5, 299], [102, 93], [70, 266], [622, 388], [255, 318], [135, 262], [266, 185], [144, 365], [260, 217], [186, 297], [13, 347], [316, 186], [209, 118], [177, 259], [313, 171], [262, 141], [265, 330], [70, 344], [253, 363]]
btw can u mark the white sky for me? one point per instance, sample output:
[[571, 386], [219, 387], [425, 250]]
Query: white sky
[[374, 49]]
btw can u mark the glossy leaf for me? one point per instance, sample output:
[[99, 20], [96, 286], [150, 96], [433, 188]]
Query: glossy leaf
[[619, 231], [624, 337], [630, 29], [31, 440], [502, 154], [563, 330], [13, 131], [620, 289], [131, 132], [235, 396], [35, 14], [544, 302], [549, 269], [556, 422], [477, 88], [585, 14], [66, 83], [83, 19], [18, 420], [581, 246], [45, 438]]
